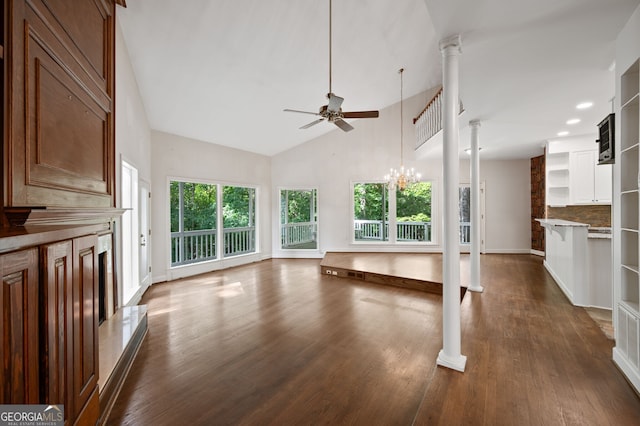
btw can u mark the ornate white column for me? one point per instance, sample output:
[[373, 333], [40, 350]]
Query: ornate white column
[[450, 355], [474, 285]]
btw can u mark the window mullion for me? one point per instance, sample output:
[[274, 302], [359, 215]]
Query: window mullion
[[181, 222], [393, 228]]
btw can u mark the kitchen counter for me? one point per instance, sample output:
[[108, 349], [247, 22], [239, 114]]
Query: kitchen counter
[[599, 232], [560, 222], [579, 260]]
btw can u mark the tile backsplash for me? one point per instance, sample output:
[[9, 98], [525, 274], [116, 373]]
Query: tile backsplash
[[596, 215]]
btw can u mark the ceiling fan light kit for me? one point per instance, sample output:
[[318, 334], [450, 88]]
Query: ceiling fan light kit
[[332, 112]]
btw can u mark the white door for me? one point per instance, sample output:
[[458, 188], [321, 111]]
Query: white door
[[129, 284], [144, 234]]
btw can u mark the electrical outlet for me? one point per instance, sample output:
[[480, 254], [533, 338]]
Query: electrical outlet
[[334, 272]]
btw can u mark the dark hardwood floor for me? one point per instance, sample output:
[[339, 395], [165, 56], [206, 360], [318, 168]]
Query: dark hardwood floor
[[277, 342]]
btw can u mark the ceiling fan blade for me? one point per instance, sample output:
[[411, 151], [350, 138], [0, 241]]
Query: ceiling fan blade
[[334, 102], [313, 123], [343, 124], [301, 112], [361, 114]]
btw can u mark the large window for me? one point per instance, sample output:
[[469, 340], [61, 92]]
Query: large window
[[413, 213], [239, 220], [298, 219], [464, 197], [372, 213], [195, 232], [193, 222]]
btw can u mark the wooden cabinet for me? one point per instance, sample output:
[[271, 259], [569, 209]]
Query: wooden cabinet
[[60, 84], [57, 318], [70, 320], [57, 67], [590, 183], [85, 328], [50, 325], [19, 324]]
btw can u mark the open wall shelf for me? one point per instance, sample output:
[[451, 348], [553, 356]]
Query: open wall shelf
[[627, 274], [557, 178], [630, 83]]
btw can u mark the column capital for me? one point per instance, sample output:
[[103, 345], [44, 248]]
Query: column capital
[[474, 123], [454, 41]]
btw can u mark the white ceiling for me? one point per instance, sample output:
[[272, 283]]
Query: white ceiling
[[223, 71]]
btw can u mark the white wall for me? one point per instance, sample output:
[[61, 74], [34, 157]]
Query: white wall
[[133, 135], [333, 161], [507, 204], [183, 158], [627, 47]]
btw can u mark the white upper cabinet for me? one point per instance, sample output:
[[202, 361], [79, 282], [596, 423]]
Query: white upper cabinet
[[590, 183]]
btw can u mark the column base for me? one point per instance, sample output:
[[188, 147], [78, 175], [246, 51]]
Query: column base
[[455, 363], [475, 288]]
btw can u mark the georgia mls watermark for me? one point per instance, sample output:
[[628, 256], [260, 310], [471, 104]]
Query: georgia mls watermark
[[31, 415]]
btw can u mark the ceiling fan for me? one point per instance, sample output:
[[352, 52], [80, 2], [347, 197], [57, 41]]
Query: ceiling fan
[[332, 112]]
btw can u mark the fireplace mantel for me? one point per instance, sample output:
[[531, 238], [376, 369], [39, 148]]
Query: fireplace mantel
[[36, 226], [24, 216]]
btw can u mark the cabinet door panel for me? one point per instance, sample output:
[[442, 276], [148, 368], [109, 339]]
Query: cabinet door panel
[[582, 177], [19, 324], [86, 23], [85, 301], [57, 317], [603, 187], [61, 128], [62, 112]]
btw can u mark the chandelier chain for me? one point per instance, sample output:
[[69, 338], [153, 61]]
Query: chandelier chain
[[401, 179], [401, 120]]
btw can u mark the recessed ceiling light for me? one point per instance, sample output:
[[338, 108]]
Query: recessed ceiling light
[[573, 121], [468, 150], [563, 133], [584, 105]]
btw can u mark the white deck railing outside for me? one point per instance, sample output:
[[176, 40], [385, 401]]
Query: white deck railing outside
[[198, 246], [292, 234], [371, 230]]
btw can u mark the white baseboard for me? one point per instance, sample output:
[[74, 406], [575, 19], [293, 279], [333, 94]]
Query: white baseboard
[[537, 252], [630, 372], [294, 254], [561, 285], [158, 279], [507, 251]]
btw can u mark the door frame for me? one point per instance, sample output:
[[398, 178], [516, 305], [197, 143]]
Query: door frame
[[144, 232], [129, 199]]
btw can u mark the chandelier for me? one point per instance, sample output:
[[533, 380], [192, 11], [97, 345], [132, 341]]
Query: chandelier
[[401, 178]]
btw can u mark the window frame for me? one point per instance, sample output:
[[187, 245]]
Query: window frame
[[392, 215], [317, 218], [219, 231]]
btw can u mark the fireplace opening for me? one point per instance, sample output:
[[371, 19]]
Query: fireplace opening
[[106, 292], [101, 288]]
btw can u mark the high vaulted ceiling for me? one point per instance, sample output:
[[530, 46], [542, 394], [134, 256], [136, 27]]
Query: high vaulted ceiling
[[223, 71]]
